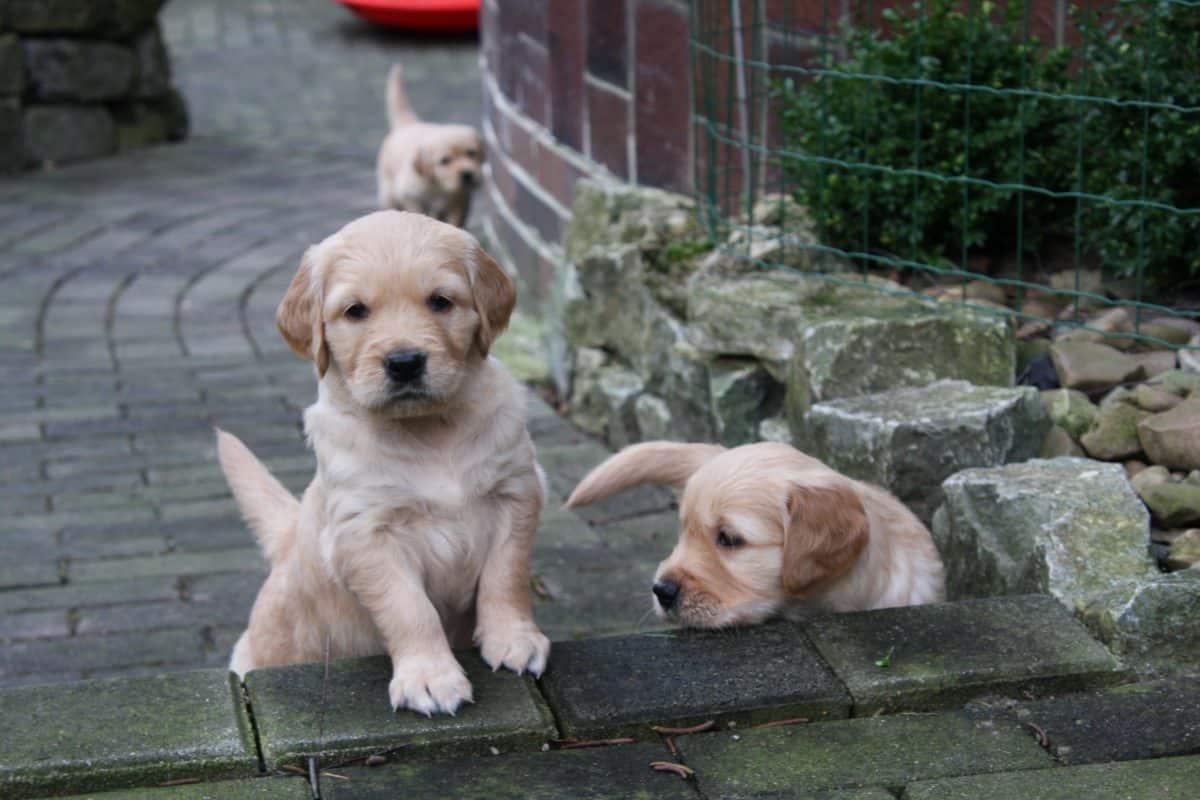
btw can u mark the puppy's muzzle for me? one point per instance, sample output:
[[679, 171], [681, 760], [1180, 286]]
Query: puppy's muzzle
[[666, 592], [404, 367], [467, 178]]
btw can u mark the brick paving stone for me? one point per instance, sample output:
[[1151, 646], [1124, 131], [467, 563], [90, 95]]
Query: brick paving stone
[[1160, 779], [297, 713], [92, 653], [237, 560], [624, 684], [941, 655], [1148, 720], [33, 625], [94, 735], [888, 751], [275, 787], [90, 594], [602, 773]]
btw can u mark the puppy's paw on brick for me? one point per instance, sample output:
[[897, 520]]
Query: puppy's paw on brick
[[429, 685], [520, 647]]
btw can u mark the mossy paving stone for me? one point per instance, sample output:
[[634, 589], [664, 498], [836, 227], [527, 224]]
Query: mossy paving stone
[[290, 787], [594, 773], [887, 751], [122, 732], [357, 719], [622, 685], [942, 655], [1147, 720], [1158, 779]]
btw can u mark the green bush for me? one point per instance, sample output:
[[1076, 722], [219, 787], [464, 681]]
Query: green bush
[[851, 116], [1154, 54]]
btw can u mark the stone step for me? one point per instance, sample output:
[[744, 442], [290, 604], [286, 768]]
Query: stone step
[[910, 440]]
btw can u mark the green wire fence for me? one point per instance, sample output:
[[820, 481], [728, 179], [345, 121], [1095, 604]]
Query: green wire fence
[[1043, 155]]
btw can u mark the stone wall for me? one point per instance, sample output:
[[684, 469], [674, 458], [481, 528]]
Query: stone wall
[[82, 79]]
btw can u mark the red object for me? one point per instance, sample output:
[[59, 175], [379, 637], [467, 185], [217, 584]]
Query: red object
[[443, 16]]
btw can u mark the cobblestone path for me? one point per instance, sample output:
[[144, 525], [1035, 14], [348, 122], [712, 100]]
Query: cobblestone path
[[136, 311]]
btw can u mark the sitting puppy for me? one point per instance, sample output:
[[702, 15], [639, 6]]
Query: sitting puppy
[[416, 531], [423, 167], [768, 530]]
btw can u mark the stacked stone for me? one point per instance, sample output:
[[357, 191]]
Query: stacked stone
[[81, 79]]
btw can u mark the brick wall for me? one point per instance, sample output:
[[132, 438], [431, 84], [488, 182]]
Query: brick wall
[[576, 88]]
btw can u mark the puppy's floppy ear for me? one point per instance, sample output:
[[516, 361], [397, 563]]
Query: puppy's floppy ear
[[423, 162], [827, 529], [494, 296], [298, 317], [672, 463]]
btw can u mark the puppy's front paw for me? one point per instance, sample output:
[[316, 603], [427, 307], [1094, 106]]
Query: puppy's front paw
[[428, 685], [519, 646]]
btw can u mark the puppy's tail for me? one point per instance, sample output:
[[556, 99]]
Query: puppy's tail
[[398, 108], [270, 510], [671, 463]]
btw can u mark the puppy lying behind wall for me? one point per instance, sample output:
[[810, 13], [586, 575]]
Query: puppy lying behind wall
[[416, 531], [423, 167], [767, 529]]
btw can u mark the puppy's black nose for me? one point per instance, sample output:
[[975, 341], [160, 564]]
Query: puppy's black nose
[[467, 178], [404, 366], [666, 592]]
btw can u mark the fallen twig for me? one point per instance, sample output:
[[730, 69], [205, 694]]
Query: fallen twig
[[325, 774], [670, 742], [294, 769], [780, 722], [572, 744], [701, 728], [671, 766], [181, 781], [1039, 732]]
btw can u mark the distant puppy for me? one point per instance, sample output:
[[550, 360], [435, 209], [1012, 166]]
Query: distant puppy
[[423, 167], [768, 530], [416, 531]]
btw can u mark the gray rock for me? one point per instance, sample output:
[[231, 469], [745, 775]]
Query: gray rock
[[775, 429], [53, 16], [1172, 438], [1185, 550], [1153, 399], [1069, 527], [619, 389], [653, 417], [60, 134], [1155, 362], [1189, 358], [1160, 619], [1175, 505], [12, 66], [1150, 476], [1092, 367], [742, 395], [910, 440], [677, 372], [587, 407], [153, 66], [74, 70], [1059, 443], [1177, 381], [12, 155], [1070, 409], [1115, 435]]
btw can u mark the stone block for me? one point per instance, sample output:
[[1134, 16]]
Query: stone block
[[888, 751], [622, 685], [53, 16], [275, 787], [1160, 619], [1069, 527], [298, 714], [153, 64], [910, 440], [69, 70], [941, 655], [1172, 438], [599, 773], [12, 158], [61, 134], [1147, 720], [1160, 778], [124, 732]]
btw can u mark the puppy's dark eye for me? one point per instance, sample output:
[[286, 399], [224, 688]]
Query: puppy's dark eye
[[440, 303], [357, 311], [471, 154], [729, 540], [445, 160]]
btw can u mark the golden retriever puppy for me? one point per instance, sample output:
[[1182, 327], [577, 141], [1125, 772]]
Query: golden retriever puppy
[[768, 530], [415, 533], [423, 167]]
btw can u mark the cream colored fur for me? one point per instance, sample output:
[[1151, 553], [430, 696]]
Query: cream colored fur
[[803, 536], [415, 534], [426, 167]]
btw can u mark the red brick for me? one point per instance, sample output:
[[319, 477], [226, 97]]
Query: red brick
[[532, 93], [557, 175], [661, 96], [607, 49], [566, 49], [608, 124], [537, 214], [524, 258], [503, 179]]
